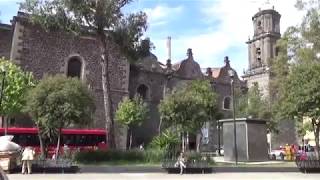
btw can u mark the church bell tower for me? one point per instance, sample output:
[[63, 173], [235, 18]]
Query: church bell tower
[[262, 48]]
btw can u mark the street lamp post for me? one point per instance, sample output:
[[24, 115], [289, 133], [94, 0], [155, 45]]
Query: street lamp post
[[219, 139], [232, 74]]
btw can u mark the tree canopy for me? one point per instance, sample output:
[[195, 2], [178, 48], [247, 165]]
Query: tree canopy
[[295, 72], [132, 112], [253, 105], [16, 84], [190, 107], [58, 102]]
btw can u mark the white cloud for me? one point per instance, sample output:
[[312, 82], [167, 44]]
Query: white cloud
[[233, 30], [161, 14]]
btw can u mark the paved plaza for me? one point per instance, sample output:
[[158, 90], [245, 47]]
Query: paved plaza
[[163, 176]]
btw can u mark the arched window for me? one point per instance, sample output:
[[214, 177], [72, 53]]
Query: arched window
[[74, 67], [227, 103], [142, 91]]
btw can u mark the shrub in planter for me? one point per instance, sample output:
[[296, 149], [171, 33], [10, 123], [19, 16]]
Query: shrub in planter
[[109, 156], [153, 155]]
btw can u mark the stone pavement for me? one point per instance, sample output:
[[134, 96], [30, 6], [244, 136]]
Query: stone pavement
[[220, 159], [162, 176]]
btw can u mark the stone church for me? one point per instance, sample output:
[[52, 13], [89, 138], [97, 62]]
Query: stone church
[[57, 52], [262, 49]]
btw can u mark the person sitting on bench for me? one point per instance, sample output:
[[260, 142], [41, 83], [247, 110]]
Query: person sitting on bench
[[181, 162]]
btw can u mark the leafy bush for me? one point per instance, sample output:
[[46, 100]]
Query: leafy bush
[[136, 156], [153, 155], [168, 142], [193, 156], [109, 156]]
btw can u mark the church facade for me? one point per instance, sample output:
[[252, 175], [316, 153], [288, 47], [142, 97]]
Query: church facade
[[42, 52]]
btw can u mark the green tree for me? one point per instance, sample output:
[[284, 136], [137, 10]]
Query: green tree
[[132, 112], [168, 141], [298, 50], [106, 22], [188, 108], [58, 102], [253, 105], [15, 83], [302, 98]]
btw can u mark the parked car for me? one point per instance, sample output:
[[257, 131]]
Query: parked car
[[277, 154]]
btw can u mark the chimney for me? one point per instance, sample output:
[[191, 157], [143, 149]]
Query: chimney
[[189, 54], [226, 61], [209, 72], [169, 47], [169, 65]]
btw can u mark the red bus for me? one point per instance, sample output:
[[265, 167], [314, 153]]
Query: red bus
[[75, 139]]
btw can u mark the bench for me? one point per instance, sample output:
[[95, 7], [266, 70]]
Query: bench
[[201, 166], [60, 165], [310, 165]]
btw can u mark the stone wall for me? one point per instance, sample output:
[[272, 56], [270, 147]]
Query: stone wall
[[155, 82], [5, 40], [48, 53]]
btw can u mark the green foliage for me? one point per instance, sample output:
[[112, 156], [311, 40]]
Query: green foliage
[[113, 156], [304, 127], [295, 72], [153, 155], [132, 112], [253, 104], [167, 140], [302, 97], [57, 102], [190, 107], [16, 85]]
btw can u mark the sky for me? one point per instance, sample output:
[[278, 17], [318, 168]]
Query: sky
[[213, 29]]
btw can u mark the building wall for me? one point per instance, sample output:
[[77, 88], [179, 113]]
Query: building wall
[[48, 53], [262, 79], [155, 83], [5, 40]]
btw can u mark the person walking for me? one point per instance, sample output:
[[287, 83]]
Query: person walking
[[27, 157], [293, 152], [288, 152]]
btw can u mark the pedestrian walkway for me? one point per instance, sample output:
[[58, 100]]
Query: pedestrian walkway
[[161, 176], [220, 159]]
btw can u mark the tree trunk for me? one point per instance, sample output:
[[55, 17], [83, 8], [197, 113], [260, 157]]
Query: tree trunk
[[182, 143], [42, 156], [316, 135], [107, 101], [5, 120], [187, 142], [198, 141], [58, 144], [159, 128], [130, 139]]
